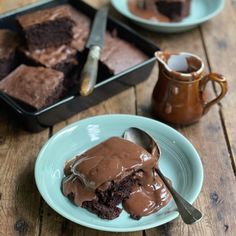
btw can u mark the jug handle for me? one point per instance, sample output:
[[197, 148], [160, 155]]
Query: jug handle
[[216, 78]]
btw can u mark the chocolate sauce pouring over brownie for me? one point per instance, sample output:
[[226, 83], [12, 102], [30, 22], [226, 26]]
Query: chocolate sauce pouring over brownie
[[146, 11], [112, 161], [160, 10]]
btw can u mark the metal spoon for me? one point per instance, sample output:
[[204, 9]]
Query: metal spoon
[[188, 213]]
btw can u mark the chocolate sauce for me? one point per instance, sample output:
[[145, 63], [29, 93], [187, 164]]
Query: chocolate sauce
[[113, 160], [150, 197], [149, 11]]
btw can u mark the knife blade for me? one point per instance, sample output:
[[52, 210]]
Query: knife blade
[[94, 44]]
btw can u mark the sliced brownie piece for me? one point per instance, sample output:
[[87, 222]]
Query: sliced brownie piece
[[81, 29], [35, 86], [119, 55], [8, 43], [114, 53], [62, 58], [176, 10], [47, 28], [105, 175]]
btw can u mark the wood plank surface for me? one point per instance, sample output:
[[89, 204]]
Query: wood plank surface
[[220, 48], [19, 197], [122, 103], [22, 210], [218, 193]]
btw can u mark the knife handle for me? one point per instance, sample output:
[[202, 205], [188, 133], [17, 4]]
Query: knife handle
[[90, 71]]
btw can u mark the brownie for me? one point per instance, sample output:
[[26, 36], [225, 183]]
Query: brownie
[[47, 28], [106, 205], [62, 58], [176, 10], [114, 53], [160, 10], [8, 44], [35, 86], [119, 55], [111, 173], [81, 29]]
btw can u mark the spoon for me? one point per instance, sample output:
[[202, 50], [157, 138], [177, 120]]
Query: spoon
[[188, 213]]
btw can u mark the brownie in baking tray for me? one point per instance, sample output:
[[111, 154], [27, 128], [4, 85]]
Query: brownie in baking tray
[[35, 86], [113, 77], [50, 27], [118, 55], [61, 58], [8, 43]]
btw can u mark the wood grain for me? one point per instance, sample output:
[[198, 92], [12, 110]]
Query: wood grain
[[23, 212], [19, 197], [208, 138], [122, 103]]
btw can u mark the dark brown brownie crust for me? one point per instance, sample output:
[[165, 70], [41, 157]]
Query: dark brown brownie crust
[[107, 200], [35, 86], [47, 28]]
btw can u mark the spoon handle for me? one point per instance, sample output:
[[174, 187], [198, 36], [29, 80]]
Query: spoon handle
[[188, 213]]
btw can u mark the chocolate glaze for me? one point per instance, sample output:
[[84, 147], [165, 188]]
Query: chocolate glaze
[[112, 160], [149, 197]]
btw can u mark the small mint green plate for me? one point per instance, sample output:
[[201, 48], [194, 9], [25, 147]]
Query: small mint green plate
[[179, 161], [201, 11]]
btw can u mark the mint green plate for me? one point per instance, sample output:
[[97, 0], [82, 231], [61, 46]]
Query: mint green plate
[[201, 11], [179, 161]]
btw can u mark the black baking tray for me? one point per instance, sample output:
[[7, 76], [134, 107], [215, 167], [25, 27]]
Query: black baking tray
[[71, 104]]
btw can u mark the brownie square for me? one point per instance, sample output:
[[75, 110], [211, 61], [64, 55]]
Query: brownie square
[[35, 86], [47, 28], [81, 29], [8, 44], [114, 57], [119, 55], [176, 10], [62, 58]]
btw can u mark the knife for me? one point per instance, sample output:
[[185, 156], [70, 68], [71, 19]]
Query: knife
[[94, 44]]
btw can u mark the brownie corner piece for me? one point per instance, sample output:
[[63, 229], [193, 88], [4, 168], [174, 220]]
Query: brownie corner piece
[[45, 28], [35, 86]]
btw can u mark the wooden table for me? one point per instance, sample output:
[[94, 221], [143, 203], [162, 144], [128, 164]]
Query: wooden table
[[22, 210]]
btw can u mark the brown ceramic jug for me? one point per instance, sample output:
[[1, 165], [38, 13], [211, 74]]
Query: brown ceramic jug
[[179, 96]]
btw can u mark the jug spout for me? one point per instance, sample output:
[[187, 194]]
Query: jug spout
[[162, 58], [181, 66]]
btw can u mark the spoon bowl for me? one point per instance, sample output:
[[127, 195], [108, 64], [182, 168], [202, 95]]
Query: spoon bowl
[[188, 212]]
